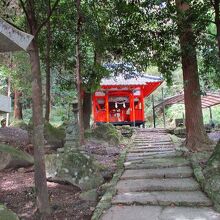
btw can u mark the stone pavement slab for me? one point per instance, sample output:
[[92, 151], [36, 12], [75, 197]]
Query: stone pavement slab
[[158, 149], [152, 146], [157, 163], [145, 143], [171, 172], [187, 198], [159, 213], [170, 184], [184, 213], [150, 155], [158, 184], [132, 213]]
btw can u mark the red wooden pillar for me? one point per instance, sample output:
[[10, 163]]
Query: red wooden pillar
[[142, 103], [130, 106], [107, 107], [132, 112]]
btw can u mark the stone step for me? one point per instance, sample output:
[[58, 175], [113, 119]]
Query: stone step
[[157, 163], [159, 213], [147, 154], [140, 150], [151, 155], [153, 142], [153, 146], [174, 172], [170, 184], [186, 198]]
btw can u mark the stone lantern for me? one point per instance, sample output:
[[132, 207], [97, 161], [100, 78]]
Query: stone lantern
[[72, 131]]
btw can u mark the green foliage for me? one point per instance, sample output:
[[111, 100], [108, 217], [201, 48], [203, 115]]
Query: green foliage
[[16, 68], [107, 132], [215, 115], [173, 112]]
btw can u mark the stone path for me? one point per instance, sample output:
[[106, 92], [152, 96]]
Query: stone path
[[157, 184]]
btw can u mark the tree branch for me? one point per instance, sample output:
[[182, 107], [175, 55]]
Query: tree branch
[[48, 17], [212, 3], [25, 11]]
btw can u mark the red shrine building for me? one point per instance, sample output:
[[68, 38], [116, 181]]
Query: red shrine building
[[120, 99]]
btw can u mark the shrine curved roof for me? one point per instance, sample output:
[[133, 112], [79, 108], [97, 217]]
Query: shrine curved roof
[[127, 74]]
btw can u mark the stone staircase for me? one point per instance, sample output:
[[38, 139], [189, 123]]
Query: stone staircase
[[158, 184]]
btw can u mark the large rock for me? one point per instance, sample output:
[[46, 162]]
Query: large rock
[[11, 157], [54, 136], [108, 133], [74, 167], [6, 214], [19, 124]]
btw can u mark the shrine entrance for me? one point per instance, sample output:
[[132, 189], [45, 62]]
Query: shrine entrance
[[120, 100]]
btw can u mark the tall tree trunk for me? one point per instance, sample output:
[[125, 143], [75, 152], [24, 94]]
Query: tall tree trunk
[[18, 105], [38, 127], [8, 94], [87, 109], [196, 138], [78, 71], [48, 65], [38, 135], [87, 98]]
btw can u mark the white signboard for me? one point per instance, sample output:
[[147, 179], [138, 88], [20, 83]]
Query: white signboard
[[5, 103]]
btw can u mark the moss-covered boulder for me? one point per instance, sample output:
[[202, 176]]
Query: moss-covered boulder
[[108, 133], [180, 131], [54, 136], [6, 214], [126, 131], [212, 177], [19, 124], [74, 167], [10, 157]]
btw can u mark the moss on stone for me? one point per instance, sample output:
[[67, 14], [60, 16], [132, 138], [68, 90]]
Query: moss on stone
[[108, 133], [6, 214], [75, 168], [19, 124], [50, 131], [54, 136], [16, 153], [209, 177]]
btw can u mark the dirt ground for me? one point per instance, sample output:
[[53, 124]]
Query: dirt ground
[[17, 186], [16, 192]]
